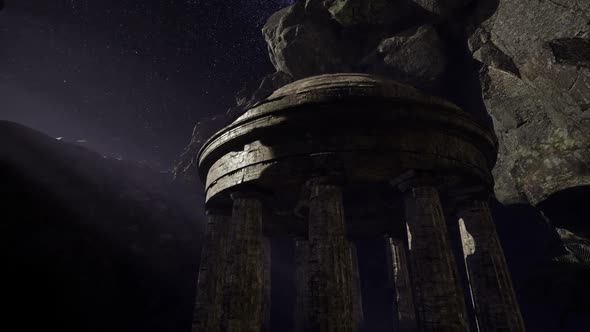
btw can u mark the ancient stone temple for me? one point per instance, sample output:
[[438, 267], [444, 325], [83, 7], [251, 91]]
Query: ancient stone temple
[[332, 157]]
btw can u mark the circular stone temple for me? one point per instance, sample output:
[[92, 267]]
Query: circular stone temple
[[332, 158]]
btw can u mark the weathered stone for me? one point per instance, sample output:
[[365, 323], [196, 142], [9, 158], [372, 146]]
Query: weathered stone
[[437, 297], [536, 86], [417, 57], [292, 30], [543, 149], [494, 301], [278, 145], [330, 263], [492, 56], [209, 303], [244, 277]]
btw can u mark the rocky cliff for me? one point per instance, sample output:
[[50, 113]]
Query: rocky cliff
[[536, 86], [93, 244]]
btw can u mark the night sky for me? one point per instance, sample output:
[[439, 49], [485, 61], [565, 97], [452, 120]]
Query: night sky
[[128, 78]]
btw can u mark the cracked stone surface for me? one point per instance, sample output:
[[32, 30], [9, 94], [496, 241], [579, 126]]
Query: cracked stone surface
[[536, 86]]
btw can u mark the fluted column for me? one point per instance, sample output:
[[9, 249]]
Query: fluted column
[[437, 295], [494, 301], [244, 294], [208, 305], [330, 263], [400, 275]]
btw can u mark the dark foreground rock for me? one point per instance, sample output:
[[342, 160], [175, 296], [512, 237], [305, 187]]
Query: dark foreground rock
[[92, 244], [550, 265]]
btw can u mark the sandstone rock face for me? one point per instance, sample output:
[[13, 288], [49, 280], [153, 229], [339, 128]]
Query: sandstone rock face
[[536, 86]]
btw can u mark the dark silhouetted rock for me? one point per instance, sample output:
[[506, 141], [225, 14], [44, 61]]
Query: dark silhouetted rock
[[185, 167], [571, 51], [93, 244]]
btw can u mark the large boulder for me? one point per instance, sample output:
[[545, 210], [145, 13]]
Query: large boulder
[[536, 86], [303, 43]]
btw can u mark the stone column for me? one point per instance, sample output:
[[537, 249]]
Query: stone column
[[244, 291], [400, 275], [494, 301], [208, 306], [437, 295], [330, 263], [301, 315]]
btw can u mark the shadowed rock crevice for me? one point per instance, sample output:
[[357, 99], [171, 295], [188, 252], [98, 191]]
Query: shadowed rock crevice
[[571, 51]]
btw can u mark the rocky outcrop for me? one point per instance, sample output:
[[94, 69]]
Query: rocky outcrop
[[536, 86], [548, 265], [93, 244], [398, 39]]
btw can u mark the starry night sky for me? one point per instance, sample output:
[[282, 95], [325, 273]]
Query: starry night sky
[[128, 78]]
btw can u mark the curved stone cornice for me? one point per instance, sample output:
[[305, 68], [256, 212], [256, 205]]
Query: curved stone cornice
[[365, 127]]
